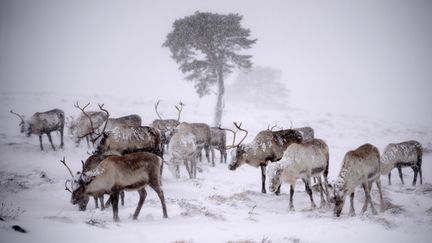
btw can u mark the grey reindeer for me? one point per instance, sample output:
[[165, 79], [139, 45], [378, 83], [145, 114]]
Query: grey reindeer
[[43, 123], [405, 154], [266, 146], [166, 126]]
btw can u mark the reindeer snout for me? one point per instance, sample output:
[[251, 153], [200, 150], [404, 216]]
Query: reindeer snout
[[232, 166]]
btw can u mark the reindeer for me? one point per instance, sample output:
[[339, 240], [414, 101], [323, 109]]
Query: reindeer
[[203, 138], [91, 163], [166, 126], [82, 127], [266, 146], [183, 149], [43, 123], [131, 172], [400, 155], [125, 139], [359, 167], [301, 161], [130, 120], [218, 141]]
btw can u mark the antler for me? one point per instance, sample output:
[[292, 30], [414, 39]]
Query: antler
[[106, 122], [235, 133], [179, 109], [64, 162], [66, 187], [22, 119], [156, 106], [88, 116]]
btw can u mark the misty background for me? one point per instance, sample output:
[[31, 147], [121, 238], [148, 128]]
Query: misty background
[[367, 58]]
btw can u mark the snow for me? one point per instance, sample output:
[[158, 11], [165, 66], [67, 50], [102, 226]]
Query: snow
[[220, 205]]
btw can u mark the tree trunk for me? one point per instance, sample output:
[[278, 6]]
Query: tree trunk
[[220, 96]]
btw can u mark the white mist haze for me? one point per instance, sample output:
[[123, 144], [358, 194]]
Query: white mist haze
[[369, 58]]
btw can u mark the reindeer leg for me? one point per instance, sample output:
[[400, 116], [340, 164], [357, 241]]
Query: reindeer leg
[[400, 174], [291, 206], [96, 202], [309, 192], [186, 163], [122, 197], [114, 201], [389, 178], [40, 141], [415, 169], [352, 211], [207, 153], [263, 178], [370, 199], [161, 196], [277, 192], [212, 155], [365, 204], [194, 167], [225, 156], [50, 140], [323, 202], [378, 183], [101, 200], [143, 194], [421, 176], [61, 137]]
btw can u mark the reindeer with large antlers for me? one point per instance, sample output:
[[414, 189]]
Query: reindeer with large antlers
[[266, 146], [86, 123], [43, 123], [90, 164], [166, 126], [131, 172]]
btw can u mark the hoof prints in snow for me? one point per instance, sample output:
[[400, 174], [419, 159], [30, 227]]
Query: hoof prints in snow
[[193, 208], [14, 182]]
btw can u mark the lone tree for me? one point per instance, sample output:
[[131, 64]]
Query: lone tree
[[207, 46]]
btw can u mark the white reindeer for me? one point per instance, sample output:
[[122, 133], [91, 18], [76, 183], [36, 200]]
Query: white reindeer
[[183, 149], [301, 161]]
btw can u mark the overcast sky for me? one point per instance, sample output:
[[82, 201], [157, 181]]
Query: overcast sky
[[354, 57]]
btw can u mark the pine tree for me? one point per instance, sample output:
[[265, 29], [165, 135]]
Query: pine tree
[[206, 47]]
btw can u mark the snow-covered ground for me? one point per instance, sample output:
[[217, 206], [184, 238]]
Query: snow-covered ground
[[220, 205]]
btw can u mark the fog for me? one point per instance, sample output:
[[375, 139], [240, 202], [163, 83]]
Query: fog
[[367, 58]]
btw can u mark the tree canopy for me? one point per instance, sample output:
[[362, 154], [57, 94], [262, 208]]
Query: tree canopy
[[206, 47]]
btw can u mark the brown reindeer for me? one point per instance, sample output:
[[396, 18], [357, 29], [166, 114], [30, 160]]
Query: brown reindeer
[[91, 163], [359, 167], [131, 172]]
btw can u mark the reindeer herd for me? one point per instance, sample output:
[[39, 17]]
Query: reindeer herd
[[129, 156]]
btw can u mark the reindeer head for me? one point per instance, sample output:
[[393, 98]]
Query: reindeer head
[[274, 172], [78, 193], [25, 126], [338, 199], [238, 154], [77, 188], [238, 157]]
